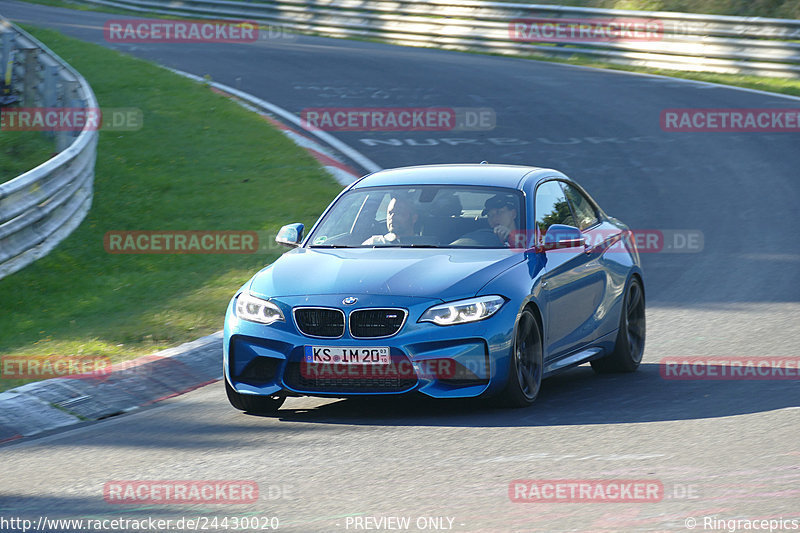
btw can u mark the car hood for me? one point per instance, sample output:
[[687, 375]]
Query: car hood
[[426, 273]]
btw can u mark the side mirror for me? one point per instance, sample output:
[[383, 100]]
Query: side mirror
[[290, 235], [562, 236]]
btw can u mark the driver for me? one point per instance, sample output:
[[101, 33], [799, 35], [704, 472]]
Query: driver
[[401, 216]]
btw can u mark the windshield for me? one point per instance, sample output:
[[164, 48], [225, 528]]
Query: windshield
[[432, 216]]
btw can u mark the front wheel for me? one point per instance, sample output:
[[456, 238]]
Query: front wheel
[[629, 347], [525, 372], [251, 403]]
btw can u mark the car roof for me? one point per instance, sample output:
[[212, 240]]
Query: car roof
[[459, 174]]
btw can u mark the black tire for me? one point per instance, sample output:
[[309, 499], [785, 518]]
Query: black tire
[[629, 346], [526, 365], [261, 405]]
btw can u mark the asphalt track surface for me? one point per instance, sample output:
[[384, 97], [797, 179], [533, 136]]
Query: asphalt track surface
[[721, 449]]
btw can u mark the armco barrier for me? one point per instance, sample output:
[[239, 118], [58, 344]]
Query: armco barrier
[[41, 207], [691, 42]]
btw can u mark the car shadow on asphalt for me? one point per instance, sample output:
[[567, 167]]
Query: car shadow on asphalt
[[576, 397]]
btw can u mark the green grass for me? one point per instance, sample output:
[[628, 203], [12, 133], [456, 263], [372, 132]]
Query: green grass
[[21, 151], [200, 162]]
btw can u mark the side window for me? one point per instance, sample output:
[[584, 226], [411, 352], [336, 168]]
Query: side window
[[585, 215], [551, 206]]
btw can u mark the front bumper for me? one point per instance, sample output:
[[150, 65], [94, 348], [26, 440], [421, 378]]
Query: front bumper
[[458, 361]]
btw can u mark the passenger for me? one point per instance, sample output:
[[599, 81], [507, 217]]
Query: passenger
[[401, 217], [501, 213]]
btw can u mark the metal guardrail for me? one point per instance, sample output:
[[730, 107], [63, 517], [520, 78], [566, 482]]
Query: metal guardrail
[[41, 207], [691, 42]]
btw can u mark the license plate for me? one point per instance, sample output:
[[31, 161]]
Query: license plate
[[346, 355]]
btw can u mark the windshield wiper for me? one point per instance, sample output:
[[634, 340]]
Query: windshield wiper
[[405, 246], [332, 246]]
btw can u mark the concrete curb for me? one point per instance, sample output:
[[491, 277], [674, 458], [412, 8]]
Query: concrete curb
[[59, 402]]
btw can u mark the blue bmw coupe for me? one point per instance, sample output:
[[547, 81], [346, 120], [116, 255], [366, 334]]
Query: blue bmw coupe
[[451, 281]]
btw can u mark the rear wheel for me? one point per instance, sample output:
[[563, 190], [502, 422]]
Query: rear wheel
[[629, 347], [261, 405], [525, 372]]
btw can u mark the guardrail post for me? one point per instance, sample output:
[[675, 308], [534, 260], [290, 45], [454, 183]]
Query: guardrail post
[[71, 99], [8, 45], [50, 90], [50, 86], [6, 65], [30, 67]]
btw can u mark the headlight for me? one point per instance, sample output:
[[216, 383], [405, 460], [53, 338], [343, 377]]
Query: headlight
[[248, 307], [463, 311]]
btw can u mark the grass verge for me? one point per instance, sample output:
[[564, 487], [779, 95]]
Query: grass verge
[[21, 151], [200, 162]]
